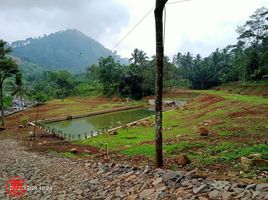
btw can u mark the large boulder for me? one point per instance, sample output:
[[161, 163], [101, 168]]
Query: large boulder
[[73, 150], [202, 131], [182, 160], [169, 175], [245, 163]]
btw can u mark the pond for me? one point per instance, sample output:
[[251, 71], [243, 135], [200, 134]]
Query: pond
[[80, 127]]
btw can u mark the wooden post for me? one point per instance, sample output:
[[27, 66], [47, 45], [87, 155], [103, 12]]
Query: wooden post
[[106, 149], [158, 13], [35, 124]]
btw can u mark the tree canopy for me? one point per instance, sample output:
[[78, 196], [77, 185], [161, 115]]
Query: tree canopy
[[8, 68], [246, 60]]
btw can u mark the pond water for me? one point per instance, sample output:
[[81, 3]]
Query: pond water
[[93, 124]]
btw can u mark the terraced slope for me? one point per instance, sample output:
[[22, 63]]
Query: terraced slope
[[237, 126]]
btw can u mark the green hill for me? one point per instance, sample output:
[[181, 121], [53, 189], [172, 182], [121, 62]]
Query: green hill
[[28, 69], [70, 50]]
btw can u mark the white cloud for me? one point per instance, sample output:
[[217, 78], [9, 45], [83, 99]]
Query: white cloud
[[31, 18], [198, 26]]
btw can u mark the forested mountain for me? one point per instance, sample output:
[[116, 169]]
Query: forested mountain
[[70, 50], [29, 70], [245, 61]]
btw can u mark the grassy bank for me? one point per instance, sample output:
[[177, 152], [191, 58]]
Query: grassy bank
[[70, 106], [238, 126]]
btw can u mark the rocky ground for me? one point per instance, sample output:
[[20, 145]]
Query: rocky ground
[[52, 177]]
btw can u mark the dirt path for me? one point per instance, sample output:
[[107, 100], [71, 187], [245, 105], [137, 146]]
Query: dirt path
[[64, 176], [67, 179]]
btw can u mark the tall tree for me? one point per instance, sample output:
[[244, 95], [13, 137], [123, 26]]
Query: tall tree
[[109, 75], [19, 88], [139, 57], [8, 68], [254, 34], [255, 30], [135, 56], [158, 13], [64, 83]]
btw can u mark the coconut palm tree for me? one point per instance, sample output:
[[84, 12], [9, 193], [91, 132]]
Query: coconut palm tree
[[139, 57]]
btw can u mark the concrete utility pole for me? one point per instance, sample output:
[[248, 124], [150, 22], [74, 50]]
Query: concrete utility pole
[[158, 14]]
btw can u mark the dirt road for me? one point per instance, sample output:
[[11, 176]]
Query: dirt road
[[51, 177]]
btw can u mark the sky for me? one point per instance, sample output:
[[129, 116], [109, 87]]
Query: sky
[[197, 26]]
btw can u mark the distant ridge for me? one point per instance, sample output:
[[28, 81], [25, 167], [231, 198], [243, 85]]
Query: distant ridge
[[70, 50]]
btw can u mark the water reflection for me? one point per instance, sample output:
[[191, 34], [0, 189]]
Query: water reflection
[[88, 126]]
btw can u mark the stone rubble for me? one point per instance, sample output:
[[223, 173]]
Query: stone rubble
[[78, 179]]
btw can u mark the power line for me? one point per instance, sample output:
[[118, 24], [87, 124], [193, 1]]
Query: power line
[[133, 27], [138, 23]]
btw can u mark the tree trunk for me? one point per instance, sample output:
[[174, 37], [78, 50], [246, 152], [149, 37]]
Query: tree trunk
[[158, 12], [2, 106]]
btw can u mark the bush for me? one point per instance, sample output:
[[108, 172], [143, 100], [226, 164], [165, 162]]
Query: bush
[[7, 101], [24, 121]]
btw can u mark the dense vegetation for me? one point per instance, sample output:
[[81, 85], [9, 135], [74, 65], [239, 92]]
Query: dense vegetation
[[108, 77], [70, 50], [8, 69], [247, 60]]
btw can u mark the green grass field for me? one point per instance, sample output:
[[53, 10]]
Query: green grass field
[[238, 126]]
